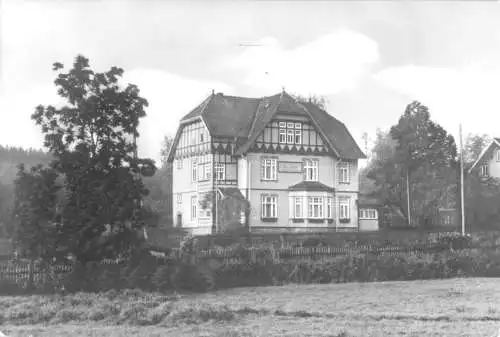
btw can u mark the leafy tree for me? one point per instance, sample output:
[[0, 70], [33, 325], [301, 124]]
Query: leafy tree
[[418, 149], [473, 146], [92, 139], [320, 101], [34, 233], [159, 200]]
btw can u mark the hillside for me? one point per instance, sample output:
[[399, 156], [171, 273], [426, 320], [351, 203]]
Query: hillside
[[10, 157]]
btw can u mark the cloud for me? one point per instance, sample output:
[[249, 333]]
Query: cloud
[[330, 64], [170, 97], [453, 95]]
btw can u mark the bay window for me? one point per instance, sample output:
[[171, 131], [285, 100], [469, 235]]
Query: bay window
[[315, 208], [297, 207]]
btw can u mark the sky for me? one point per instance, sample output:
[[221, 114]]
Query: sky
[[369, 59]]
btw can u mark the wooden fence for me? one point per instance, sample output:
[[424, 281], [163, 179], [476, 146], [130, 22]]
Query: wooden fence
[[19, 272]]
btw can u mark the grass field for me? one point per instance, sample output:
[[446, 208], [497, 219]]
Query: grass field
[[453, 307]]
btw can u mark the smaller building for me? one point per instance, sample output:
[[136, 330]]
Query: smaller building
[[369, 210], [488, 163]]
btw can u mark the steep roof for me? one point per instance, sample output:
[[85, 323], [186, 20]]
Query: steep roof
[[244, 118]]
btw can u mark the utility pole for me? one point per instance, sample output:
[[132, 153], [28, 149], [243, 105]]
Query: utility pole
[[408, 195], [462, 201]]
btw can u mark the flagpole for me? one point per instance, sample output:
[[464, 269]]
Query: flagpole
[[462, 202]]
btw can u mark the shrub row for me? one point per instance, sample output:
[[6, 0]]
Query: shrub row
[[151, 274]]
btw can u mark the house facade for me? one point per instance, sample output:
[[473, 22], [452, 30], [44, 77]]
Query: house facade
[[294, 164], [488, 163]]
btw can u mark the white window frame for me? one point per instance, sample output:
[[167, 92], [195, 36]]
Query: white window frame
[[315, 203], [290, 136], [179, 164], [208, 171], [344, 173], [298, 125], [194, 207], [344, 208], [282, 124], [298, 137], [272, 201], [194, 170], [311, 169], [329, 208], [483, 170], [220, 171], [368, 214], [298, 207], [282, 136], [269, 169], [179, 198]]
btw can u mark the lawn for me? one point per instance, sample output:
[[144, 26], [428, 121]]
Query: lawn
[[452, 307]]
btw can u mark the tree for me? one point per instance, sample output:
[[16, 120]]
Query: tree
[[92, 139], [159, 200], [420, 151], [320, 101], [474, 145], [167, 143], [34, 211]]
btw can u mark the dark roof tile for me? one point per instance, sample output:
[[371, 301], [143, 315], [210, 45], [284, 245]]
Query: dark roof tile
[[311, 186]]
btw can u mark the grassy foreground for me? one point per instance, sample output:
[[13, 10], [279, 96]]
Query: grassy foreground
[[452, 307]]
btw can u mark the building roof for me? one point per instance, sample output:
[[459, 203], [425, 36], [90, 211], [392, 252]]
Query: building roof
[[243, 119], [311, 186], [487, 151], [231, 192]]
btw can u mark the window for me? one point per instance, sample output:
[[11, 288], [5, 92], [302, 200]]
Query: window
[[484, 171], [201, 137], [220, 171], [269, 206], [269, 169], [329, 208], [179, 198], [311, 170], [204, 171], [368, 214], [179, 164], [297, 209], [344, 208], [194, 207], [208, 170], [282, 136], [194, 170], [498, 155], [344, 173], [290, 133], [298, 136], [315, 207]]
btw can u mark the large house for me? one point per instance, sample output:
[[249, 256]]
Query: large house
[[488, 162], [294, 164]]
